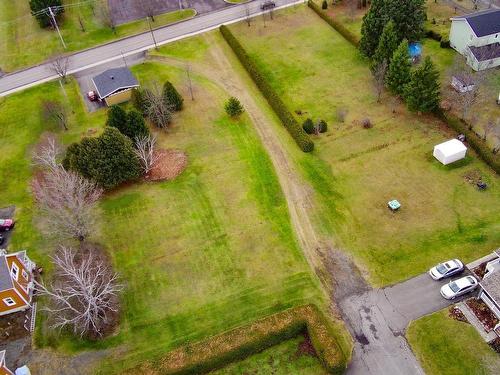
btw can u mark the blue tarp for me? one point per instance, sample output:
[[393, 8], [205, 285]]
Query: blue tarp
[[415, 49]]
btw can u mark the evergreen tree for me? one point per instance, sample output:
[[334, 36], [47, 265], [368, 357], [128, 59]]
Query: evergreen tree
[[39, 7], [388, 43], [422, 93], [399, 72], [172, 97], [139, 100], [408, 17], [136, 126], [108, 159], [308, 126], [117, 117], [233, 107]]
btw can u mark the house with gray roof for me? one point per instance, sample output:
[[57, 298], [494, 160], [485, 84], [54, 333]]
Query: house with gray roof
[[115, 86], [477, 37], [490, 287]]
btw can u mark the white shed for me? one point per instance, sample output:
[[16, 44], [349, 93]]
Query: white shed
[[449, 151]]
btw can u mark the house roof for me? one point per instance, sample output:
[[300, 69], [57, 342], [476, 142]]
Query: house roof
[[491, 284], [5, 278], [113, 80], [483, 23], [488, 52]]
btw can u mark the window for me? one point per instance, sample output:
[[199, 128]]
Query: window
[[25, 274], [15, 271], [9, 301]]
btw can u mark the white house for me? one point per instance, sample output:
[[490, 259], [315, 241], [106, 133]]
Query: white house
[[449, 151], [477, 37]]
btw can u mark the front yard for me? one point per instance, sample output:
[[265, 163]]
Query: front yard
[[355, 171], [445, 346]]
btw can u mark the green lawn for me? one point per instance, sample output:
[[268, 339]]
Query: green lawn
[[445, 346], [24, 43], [282, 359], [355, 171], [206, 252]]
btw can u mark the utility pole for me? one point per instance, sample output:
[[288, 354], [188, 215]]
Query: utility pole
[[152, 33], [51, 13]]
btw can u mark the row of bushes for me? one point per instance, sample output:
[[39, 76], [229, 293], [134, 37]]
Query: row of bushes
[[239, 343], [301, 138], [335, 24], [473, 140], [443, 42]]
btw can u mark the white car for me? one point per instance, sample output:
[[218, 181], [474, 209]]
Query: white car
[[446, 269], [459, 287]]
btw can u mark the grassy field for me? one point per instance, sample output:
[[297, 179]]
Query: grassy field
[[195, 253], [355, 171], [24, 43], [283, 359], [445, 346]]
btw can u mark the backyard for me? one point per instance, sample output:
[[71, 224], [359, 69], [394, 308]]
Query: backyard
[[195, 252], [443, 346], [24, 43], [355, 171]]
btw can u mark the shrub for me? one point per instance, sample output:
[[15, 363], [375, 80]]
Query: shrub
[[132, 125], [301, 138], [108, 159], [324, 5], [445, 43], [367, 124], [172, 97], [117, 117], [308, 126], [241, 342], [322, 126], [352, 38], [233, 107], [433, 35], [139, 101], [39, 7]]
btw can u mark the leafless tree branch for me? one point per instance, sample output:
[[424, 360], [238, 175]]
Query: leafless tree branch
[[146, 152]]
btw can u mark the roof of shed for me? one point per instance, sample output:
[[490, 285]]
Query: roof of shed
[[483, 23], [112, 80]]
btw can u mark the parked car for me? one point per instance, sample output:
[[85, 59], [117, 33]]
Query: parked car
[[446, 269], [6, 225], [267, 5], [2, 240], [459, 287]]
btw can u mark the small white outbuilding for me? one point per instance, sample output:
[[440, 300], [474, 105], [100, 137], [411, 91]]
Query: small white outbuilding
[[449, 151]]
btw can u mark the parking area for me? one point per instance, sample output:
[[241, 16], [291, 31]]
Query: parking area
[[124, 11], [6, 213]]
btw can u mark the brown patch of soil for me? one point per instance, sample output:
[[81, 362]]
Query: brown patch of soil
[[12, 326], [457, 314], [483, 313], [480, 270], [169, 166], [306, 347]]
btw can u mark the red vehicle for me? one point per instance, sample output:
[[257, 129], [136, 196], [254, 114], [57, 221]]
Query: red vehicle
[[6, 225], [92, 96]]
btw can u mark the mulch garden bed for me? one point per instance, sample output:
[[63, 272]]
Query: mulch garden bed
[[169, 166], [306, 347], [457, 314], [480, 270], [483, 313], [12, 326], [495, 344]]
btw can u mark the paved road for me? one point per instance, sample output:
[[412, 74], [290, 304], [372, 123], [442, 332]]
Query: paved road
[[17, 81], [378, 319]]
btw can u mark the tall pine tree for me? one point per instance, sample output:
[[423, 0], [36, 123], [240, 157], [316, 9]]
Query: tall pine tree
[[172, 97], [408, 17], [422, 93], [39, 10], [388, 43], [399, 72]]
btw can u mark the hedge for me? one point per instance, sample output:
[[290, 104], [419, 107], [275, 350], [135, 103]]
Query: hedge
[[301, 138], [481, 148], [239, 343], [352, 38]]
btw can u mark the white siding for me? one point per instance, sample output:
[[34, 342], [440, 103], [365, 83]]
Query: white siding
[[461, 35]]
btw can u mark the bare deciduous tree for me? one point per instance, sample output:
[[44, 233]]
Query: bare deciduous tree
[[247, 14], [158, 111], [189, 82], [146, 152], [65, 199], [379, 73], [84, 294], [55, 112], [105, 16], [60, 65]]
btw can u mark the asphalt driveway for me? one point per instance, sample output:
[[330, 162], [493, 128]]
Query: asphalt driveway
[[378, 319]]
